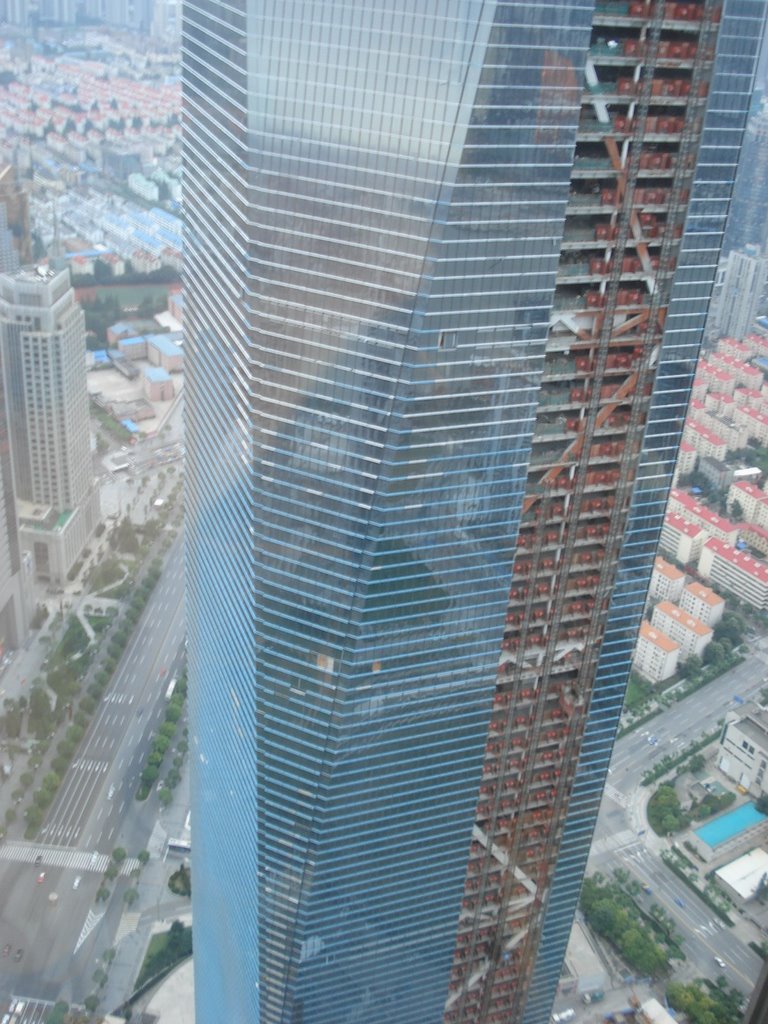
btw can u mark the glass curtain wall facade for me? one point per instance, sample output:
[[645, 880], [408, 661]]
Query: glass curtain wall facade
[[377, 201]]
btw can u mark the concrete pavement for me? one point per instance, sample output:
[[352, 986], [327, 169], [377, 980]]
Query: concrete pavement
[[156, 908]]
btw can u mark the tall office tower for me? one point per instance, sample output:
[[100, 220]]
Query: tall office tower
[[17, 12], [166, 23], [9, 259], [60, 12], [42, 342], [740, 291], [15, 199], [15, 594], [748, 221], [132, 14], [430, 261]]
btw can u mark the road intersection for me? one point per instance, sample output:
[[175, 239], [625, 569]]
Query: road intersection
[[624, 840]]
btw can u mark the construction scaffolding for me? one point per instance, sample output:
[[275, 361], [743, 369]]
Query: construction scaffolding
[[646, 83]]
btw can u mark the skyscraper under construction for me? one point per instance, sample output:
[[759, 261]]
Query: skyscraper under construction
[[447, 267]]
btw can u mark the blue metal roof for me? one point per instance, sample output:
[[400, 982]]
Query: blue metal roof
[[157, 374], [91, 253], [163, 344]]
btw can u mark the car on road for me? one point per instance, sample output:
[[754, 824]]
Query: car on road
[[719, 961], [41, 878], [7, 949], [680, 902], [77, 881], [39, 859], [647, 889], [18, 955], [111, 792]]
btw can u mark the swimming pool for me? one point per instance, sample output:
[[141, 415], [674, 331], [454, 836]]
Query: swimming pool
[[719, 831]]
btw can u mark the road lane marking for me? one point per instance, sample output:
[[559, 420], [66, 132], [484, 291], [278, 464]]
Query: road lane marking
[[90, 923]]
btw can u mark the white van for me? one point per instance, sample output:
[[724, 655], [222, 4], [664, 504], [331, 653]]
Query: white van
[[564, 1017]]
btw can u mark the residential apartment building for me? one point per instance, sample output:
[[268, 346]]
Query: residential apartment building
[[719, 475], [691, 509], [746, 376], [715, 377], [686, 463], [704, 441], [735, 348], [752, 501], [755, 422], [667, 581], [755, 537], [701, 603], [748, 396], [692, 635], [656, 655], [720, 405], [735, 572]]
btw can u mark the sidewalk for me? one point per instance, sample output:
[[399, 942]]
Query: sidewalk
[[157, 906]]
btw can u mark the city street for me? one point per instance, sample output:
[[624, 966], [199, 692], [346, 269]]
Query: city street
[[623, 840], [112, 755], [94, 812], [671, 731]]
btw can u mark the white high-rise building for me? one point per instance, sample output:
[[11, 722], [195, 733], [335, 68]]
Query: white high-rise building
[[743, 281], [42, 333]]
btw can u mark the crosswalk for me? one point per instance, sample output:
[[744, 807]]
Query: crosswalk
[[710, 928], [63, 857], [36, 1011], [118, 698], [625, 840], [87, 764], [616, 795]]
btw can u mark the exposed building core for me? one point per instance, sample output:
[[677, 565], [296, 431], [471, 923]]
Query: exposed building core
[[647, 79]]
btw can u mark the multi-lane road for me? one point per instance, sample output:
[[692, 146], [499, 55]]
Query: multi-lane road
[[94, 811], [621, 840], [671, 731], [102, 780]]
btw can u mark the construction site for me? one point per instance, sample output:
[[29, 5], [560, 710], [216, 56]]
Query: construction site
[[643, 101]]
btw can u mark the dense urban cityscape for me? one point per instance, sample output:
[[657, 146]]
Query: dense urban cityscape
[[383, 512]]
